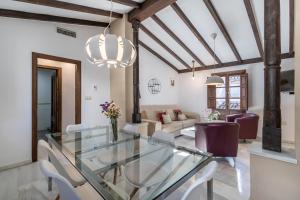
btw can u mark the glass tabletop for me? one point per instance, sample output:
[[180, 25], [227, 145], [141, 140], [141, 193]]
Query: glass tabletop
[[133, 167]]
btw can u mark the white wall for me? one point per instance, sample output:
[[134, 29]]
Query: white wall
[[193, 95], [44, 99], [152, 67], [18, 39]]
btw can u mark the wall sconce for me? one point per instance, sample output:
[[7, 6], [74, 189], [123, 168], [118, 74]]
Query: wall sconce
[[172, 82]]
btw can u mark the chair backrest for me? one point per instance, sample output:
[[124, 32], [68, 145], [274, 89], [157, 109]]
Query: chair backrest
[[130, 128], [164, 137], [74, 127], [42, 144], [66, 190], [218, 138], [208, 172]]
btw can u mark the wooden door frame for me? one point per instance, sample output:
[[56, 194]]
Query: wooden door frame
[[59, 98], [35, 66]]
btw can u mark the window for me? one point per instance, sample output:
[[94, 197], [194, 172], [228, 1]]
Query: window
[[232, 96]]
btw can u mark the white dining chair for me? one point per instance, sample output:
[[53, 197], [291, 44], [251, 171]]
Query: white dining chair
[[63, 166], [130, 128], [164, 137], [193, 191], [74, 127], [66, 190]]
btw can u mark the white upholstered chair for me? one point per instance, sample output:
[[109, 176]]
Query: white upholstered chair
[[192, 193], [164, 137], [63, 166], [130, 128], [66, 190], [74, 127]]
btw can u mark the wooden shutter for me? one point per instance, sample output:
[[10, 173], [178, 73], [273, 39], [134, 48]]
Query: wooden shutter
[[244, 91], [211, 96]]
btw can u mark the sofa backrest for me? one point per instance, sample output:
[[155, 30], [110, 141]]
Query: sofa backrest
[[150, 111]]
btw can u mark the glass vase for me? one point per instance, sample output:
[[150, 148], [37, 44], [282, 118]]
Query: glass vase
[[114, 126]]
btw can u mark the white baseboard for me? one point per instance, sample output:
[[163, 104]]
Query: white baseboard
[[11, 166]]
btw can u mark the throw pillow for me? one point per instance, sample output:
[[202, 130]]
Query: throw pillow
[[177, 112], [182, 117], [160, 117], [167, 119], [172, 114]]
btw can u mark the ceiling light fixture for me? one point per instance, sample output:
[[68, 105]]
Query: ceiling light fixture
[[109, 49], [214, 79]]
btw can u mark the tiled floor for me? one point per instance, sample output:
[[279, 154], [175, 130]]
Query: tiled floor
[[230, 183]]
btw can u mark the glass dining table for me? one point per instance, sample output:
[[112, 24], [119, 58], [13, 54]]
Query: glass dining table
[[133, 167]]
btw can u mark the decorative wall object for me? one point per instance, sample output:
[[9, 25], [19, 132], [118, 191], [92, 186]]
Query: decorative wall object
[[154, 86], [172, 82]]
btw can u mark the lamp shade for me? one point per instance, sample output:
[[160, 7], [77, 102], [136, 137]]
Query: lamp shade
[[214, 80], [110, 50]]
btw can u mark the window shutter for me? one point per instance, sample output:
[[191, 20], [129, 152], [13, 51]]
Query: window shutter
[[211, 96], [244, 91]]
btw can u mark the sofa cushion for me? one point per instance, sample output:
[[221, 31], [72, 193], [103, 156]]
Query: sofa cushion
[[177, 112], [171, 113], [189, 122], [182, 117], [159, 116], [152, 114], [167, 119], [172, 127]]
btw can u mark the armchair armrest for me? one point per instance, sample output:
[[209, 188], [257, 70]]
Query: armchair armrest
[[152, 126], [192, 115], [231, 118]]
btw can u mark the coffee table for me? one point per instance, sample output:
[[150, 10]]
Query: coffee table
[[189, 132]]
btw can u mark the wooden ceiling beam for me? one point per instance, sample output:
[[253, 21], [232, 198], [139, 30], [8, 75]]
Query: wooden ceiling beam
[[222, 27], [129, 3], [158, 56], [73, 7], [172, 34], [193, 29], [50, 18], [235, 63], [253, 23], [151, 35], [148, 8], [292, 25]]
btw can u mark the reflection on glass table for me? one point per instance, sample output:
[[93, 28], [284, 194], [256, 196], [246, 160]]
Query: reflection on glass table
[[131, 168]]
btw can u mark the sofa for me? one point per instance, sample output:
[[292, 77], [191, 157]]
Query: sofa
[[149, 115], [248, 124]]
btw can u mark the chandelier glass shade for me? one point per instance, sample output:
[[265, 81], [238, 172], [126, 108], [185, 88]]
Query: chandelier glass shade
[[110, 50]]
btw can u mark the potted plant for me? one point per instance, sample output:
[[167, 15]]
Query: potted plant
[[112, 111], [215, 115]]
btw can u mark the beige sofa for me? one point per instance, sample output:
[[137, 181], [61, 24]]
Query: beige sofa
[[149, 115]]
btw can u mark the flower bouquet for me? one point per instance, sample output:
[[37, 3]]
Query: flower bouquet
[[215, 115], [112, 111]]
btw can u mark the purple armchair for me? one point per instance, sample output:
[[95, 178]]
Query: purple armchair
[[248, 124], [220, 139]]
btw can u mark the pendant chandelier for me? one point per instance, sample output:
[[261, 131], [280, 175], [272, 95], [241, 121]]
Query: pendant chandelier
[[214, 79], [193, 69], [109, 49]]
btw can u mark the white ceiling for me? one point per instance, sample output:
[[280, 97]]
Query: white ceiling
[[100, 4], [232, 12], [234, 16]]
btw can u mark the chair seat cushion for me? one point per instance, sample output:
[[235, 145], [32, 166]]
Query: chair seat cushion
[[172, 127]]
